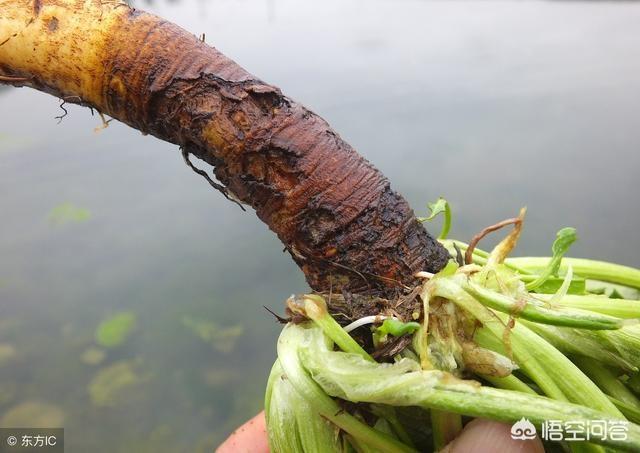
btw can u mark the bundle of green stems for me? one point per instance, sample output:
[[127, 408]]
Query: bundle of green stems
[[536, 338]]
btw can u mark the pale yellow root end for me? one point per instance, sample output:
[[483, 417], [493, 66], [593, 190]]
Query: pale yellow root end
[[57, 46]]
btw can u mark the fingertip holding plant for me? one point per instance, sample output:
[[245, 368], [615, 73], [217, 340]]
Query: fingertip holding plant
[[497, 338]]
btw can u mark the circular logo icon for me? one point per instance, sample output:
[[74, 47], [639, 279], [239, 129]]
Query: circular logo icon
[[12, 441], [523, 429]]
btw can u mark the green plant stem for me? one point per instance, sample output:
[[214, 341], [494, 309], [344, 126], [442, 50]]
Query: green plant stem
[[624, 342], [570, 341], [294, 425], [585, 447], [536, 313], [607, 381], [360, 446], [315, 308], [633, 383], [620, 308], [446, 223], [404, 383], [592, 269], [528, 360], [509, 383], [389, 414], [557, 371], [291, 339], [577, 285], [564, 239], [446, 427], [440, 206], [630, 411]]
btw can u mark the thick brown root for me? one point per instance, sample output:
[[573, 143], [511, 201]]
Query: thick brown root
[[335, 213]]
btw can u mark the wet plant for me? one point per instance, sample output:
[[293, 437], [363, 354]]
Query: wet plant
[[544, 339], [399, 320]]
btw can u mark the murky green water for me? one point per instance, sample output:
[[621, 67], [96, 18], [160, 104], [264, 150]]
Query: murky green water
[[491, 104]]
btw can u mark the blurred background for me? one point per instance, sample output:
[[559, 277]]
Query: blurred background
[[131, 294]]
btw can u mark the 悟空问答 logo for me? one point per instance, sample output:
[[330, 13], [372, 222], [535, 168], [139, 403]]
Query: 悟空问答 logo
[[523, 429]]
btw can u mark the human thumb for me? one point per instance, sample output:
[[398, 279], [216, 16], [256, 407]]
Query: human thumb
[[485, 436]]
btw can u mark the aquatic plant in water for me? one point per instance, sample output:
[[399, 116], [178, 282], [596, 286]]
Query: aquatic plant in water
[[110, 384], [33, 413], [115, 330], [222, 339]]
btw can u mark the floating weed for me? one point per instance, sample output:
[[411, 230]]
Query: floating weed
[[219, 377], [7, 353], [110, 384], [33, 413], [68, 213], [114, 331], [93, 356], [223, 339], [8, 391]]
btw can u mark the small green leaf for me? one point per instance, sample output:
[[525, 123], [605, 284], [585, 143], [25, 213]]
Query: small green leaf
[[564, 238], [553, 284], [394, 327], [440, 206]]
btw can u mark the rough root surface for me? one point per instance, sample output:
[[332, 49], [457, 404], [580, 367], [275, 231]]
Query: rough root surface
[[335, 213]]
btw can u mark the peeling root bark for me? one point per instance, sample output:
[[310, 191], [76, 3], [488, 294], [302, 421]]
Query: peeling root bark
[[335, 213]]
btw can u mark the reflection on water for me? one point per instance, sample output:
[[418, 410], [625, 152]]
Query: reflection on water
[[137, 319]]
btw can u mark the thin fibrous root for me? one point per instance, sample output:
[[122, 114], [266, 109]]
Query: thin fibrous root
[[424, 274], [10, 79], [219, 187], [104, 125], [468, 256]]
